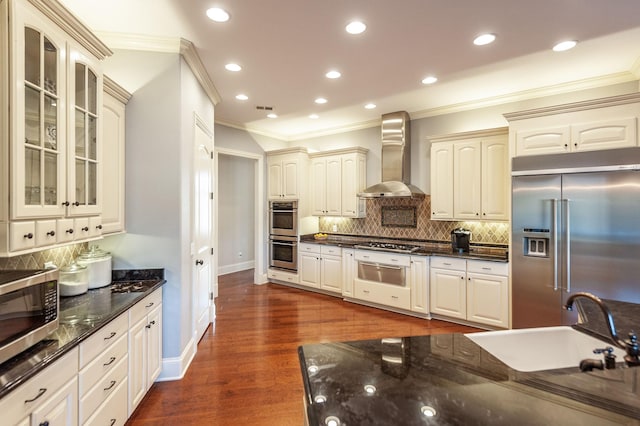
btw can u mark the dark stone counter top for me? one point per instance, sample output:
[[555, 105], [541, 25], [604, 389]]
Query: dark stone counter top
[[449, 380], [79, 317], [495, 253]]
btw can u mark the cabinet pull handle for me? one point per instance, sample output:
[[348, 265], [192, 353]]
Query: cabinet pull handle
[[365, 291], [99, 227], [446, 264], [85, 229], [66, 204], [150, 324], [40, 393], [113, 383], [69, 231], [199, 262], [75, 204], [51, 233], [45, 423], [113, 333], [113, 422], [484, 268], [149, 305], [113, 358], [394, 297], [28, 236]]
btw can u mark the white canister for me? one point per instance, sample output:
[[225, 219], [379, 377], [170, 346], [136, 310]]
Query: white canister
[[99, 264], [73, 279]]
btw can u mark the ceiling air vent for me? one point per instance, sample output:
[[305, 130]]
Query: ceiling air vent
[[264, 108]]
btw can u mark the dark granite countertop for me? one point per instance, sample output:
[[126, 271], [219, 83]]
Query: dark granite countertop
[[400, 381], [79, 317], [495, 253]]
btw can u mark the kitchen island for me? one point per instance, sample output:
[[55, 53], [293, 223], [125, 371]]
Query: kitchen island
[[449, 380]]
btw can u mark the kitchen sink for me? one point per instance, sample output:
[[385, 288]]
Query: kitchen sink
[[544, 348]]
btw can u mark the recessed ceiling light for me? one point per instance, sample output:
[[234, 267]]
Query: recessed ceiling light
[[272, 115], [218, 15], [483, 39], [333, 74], [233, 67], [356, 27], [370, 106], [321, 101], [242, 97], [429, 80], [565, 45]]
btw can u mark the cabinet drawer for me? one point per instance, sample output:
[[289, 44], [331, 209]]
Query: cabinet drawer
[[283, 276], [386, 258], [488, 267], [95, 226], [336, 251], [22, 235], [14, 407], [81, 228], [309, 248], [45, 232], [106, 386], [104, 363], [449, 263], [65, 230], [143, 307], [114, 410], [103, 339], [397, 297]]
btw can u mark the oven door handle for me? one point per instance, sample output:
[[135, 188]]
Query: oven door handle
[[283, 211], [381, 265], [278, 243]]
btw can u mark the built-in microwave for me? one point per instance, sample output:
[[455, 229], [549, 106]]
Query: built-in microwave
[[283, 218], [28, 309]]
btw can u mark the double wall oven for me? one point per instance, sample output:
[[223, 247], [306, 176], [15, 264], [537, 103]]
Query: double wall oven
[[283, 235]]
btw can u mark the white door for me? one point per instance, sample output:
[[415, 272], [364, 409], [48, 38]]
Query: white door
[[202, 221]]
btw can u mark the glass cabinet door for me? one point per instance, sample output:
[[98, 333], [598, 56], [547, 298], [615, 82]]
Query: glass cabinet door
[[38, 121]]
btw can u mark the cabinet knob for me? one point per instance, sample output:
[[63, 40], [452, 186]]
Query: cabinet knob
[[69, 231], [66, 204], [51, 233], [477, 214], [99, 227], [85, 229], [28, 236], [45, 423], [76, 204]]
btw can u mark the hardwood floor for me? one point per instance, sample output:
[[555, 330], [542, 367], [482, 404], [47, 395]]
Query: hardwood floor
[[246, 370]]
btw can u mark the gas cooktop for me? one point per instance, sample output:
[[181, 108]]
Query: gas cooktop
[[397, 248]]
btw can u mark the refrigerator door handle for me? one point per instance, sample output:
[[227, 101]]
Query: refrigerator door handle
[[554, 222], [568, 243]]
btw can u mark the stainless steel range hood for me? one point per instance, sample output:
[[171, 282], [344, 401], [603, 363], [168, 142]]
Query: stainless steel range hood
[[396, 159]]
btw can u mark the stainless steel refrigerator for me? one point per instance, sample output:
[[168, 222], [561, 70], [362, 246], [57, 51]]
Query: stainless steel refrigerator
[[575, 227]]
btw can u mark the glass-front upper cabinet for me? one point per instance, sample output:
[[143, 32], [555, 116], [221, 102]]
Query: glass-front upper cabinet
[[84, 168], [38, 136]]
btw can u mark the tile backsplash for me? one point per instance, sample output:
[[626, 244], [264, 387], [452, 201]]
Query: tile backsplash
[[59, 256], [426, 229]]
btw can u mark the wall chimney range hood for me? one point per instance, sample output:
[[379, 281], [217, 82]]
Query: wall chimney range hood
[[396, 160]]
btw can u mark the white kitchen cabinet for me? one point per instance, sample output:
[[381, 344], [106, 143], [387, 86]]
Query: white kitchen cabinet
[[277, 274], [607, 123], [50, 133], [50, 396], [419, 282], [145, 347], [348, 271], [114, 103], [448, 287], [325, 185], [488, 293], [320, 267], [335, 180], [470, 176], [470, 290], [287, 170]]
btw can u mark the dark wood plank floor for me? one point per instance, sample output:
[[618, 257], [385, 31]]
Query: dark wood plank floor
[[246, 370]]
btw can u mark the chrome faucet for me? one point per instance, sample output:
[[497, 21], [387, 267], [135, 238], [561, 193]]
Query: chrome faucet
[[630, 346]]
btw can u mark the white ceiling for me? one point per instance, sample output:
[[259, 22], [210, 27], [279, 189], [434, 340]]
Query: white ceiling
[[286, 46]]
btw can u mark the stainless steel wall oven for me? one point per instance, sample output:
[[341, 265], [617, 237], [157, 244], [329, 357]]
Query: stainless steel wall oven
[[283, 218], [283, 252]]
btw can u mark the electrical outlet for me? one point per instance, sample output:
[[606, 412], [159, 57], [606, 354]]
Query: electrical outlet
[[334, 228], [239, 254], [49, 265]]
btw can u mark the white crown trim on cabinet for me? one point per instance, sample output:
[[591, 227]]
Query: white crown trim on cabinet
[[115, 90]]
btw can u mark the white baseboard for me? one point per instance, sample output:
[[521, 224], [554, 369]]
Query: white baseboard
[[236, 267], [175, 368]]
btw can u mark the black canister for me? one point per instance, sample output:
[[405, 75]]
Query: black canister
[[460, 239]]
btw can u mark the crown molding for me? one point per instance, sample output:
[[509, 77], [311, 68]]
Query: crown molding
[[635, 68], [191, 57], [63, 18], [484, 133], [115, 90]]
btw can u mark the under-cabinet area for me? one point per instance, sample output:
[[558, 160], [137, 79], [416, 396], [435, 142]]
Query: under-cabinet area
[[466, 288]]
